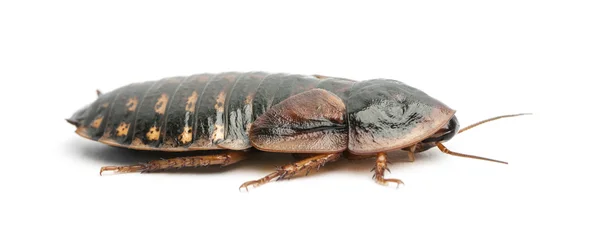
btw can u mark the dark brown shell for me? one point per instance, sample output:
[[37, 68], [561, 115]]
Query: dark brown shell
[[387, 115], [198, 112], [286, 113]]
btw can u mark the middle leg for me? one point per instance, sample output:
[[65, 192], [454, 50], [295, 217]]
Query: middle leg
[[380, 168], [292, 169]]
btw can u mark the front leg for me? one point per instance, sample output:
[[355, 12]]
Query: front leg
[[380, 168], [290, 170], [411, 153]]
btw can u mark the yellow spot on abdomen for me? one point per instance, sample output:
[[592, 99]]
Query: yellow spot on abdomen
[[132, 103], [161, 104], [248, 100], [186, 136], [123, 129], [190, 105], [97, 122], [219, 133], [220, 104], [153, 134]]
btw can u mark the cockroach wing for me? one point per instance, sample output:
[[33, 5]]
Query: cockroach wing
[[385, 115], [310, 122]]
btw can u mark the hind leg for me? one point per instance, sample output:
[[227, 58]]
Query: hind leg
[[227, 158]]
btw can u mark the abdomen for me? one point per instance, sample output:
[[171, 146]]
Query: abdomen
[[198, 112]]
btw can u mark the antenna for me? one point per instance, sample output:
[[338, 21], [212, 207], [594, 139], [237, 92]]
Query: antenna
[[445, 150], [491, 119]]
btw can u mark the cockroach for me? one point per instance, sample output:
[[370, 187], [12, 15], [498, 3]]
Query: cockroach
[[318, 117]]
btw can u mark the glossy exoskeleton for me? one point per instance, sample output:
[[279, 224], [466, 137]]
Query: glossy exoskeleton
[[321, 117]]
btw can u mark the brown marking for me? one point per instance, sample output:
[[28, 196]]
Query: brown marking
[[104, 105], [97, 122], [186, 136], [161, 104], [190, 105], [123, 129], [132, 103], [153, 133], [220, 105]]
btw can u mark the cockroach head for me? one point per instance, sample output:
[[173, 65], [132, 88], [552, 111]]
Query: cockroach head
[[451, 129], [447, 132]]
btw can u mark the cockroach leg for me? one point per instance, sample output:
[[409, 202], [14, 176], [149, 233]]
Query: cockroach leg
[[224, 159], [411, 153], [124, 169], [380, 168], [290, 170], [98, 92]]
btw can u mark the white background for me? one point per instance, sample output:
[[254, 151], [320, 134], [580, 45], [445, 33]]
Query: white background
[[481, 58]]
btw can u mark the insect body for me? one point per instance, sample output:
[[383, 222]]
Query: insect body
[[322, 117]]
